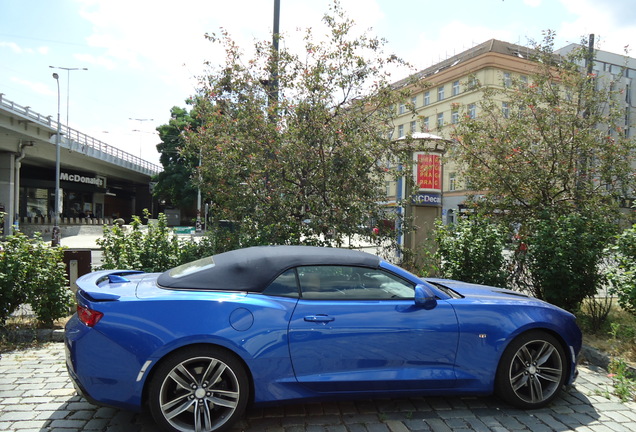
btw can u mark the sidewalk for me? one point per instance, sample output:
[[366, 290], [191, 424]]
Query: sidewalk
[[37, 395]]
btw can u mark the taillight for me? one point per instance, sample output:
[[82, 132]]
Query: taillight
[[88, 316]]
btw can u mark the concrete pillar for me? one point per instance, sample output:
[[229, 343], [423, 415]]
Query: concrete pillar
[[7, 200]]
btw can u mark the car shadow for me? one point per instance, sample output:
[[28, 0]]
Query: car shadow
[[571, 410]]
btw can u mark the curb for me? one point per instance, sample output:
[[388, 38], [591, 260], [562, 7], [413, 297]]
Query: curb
[[601, 359], [35, 335]]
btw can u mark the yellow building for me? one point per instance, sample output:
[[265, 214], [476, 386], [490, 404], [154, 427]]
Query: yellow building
[[449, 91]]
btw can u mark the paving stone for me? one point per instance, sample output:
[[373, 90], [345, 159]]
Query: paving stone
[[40, 397], [396, 426]]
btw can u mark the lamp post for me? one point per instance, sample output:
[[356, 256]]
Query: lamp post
[[55, 235], [139, 130], [68, 84], [198, 223]]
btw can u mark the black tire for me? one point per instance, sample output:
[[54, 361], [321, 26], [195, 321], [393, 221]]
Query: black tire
[[532, 370], [198, 389]]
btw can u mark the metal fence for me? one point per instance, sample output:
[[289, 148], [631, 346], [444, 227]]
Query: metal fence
[[79, 137]]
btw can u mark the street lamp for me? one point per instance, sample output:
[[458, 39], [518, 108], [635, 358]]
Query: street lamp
[[55, 235], [68, 84], [139, 130]]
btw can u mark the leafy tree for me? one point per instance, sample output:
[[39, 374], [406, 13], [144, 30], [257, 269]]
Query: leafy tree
[[175, 184], [299, 155], [556, 162], [558, 147]]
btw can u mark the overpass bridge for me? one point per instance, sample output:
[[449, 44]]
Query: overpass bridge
[[97, 179]]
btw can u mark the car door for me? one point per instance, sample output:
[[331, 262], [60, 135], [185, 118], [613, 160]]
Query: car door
[[358, 329]]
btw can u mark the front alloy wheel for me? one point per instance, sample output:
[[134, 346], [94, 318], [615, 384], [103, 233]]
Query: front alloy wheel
[[532, 370], [198, 390]]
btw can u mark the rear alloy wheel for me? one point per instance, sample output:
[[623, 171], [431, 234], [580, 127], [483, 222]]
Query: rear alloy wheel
[[532, 370], [199, 389]]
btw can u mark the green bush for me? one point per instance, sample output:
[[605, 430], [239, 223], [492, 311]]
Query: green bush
[[622, 274], [472, 250], [153, 249], [564, 257], [33, 272]]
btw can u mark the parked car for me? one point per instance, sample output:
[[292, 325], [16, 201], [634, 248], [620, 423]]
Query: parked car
[[271, 324]]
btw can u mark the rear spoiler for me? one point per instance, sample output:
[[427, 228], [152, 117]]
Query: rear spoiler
[[93, 283]]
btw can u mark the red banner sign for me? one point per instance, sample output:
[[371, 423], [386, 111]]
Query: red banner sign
[[429, 171]]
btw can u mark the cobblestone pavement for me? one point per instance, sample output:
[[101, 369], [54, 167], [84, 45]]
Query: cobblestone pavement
[[36, 395]]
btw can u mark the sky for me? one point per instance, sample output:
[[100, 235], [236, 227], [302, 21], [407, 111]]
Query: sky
[[144, 56]]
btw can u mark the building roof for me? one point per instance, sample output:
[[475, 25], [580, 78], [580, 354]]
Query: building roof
[[490, 46]]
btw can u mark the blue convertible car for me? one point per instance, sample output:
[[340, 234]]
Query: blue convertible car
[[271, 324]]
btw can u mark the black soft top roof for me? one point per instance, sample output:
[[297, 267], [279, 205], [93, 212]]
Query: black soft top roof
[[252, 269]]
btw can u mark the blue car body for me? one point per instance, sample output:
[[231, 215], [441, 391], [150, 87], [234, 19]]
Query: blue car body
[[294, 347]]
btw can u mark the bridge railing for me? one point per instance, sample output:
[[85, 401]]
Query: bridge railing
[[79, 137]]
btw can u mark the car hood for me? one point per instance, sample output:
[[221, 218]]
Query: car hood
[[486, 293]]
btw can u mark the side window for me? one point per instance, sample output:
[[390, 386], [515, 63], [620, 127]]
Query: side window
[[352, 283], [284, 285]]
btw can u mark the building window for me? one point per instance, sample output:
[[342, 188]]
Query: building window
[[34, 203], [452, 181], [413, 126], [456, 88], [400, 130], [414, 101], [472, 111], [450, 217], [505, 109], [440, 120], [402, 108], [427, 98], [524, 80], [425, 125], [507, 79], [455, 117], [440, 93]]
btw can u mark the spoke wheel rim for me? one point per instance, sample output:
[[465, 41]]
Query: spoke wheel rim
[[536, 371], [199, 394]]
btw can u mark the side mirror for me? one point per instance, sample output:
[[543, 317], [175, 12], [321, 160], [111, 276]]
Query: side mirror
[[425, 297]]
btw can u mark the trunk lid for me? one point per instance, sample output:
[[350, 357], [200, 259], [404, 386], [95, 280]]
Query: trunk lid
[[109, 285]]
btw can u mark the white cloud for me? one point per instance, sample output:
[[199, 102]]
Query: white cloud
[[97, 61], [451, 40], [36, 87], [12, 46], [603, 18]]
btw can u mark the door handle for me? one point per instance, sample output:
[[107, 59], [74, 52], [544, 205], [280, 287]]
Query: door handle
[[319, 318]]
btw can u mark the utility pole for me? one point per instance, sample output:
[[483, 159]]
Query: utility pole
[[273, 79], [55, 235]]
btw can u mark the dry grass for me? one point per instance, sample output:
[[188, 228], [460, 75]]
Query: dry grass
[[616, 336], [20, 322]]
